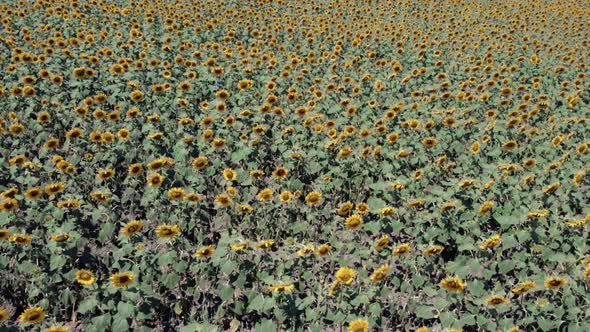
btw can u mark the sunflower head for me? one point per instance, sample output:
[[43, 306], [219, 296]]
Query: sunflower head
[[555, 282], [132, 228], [345, 275], [359, 325], [167, 231], [32, 315], [453, 284], [85, 277], [122, 279], [205, 252]]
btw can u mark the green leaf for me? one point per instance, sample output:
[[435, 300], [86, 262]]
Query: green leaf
[[120, 324], [228, 267], [56, 262], [87, 305], [425, 312], [376, 204], [106, 232], [226, 293], [256, 304], [125, 309], [266, 326]]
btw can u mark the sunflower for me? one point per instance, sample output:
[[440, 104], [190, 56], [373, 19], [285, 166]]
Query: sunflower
[[454, 284], [239, 246], [324, 250], [491, 242], [387, 211], [135, 169], [433, 250], [345, 208], [244, 209], [57, 328], [345, 275], [509, 146], [4, 314], [475, 147], [106, 174], [167, 231], [280, 173], [200, 163], [229, 174], [122, 279], [4, 234], [381, 243], [402, 249], [353, 221], [313, 198], [137, 95], [176, 193], [132, 228], [496, 300], [85, 277], [193, 197], [429, 142], [155, 180], [286, 196], [486, 207], [362, 208], [32, 315], [380, 273], [359, 325], [223, 200], [552, 187], [205, 252], [265, 195], [265, 244], [22, 239], [8, 205], [281, 288], [60, 237], [555, 282], [524, 287]]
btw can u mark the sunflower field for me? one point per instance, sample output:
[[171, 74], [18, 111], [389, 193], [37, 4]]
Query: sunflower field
[[281, 165]]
